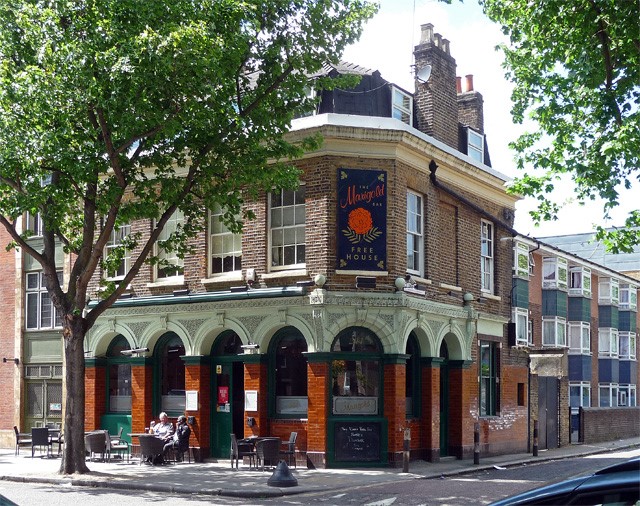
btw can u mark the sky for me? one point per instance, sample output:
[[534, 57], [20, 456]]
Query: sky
[[387, 45]]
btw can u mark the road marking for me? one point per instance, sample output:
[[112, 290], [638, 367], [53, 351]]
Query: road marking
[[493, 481], [384, 502]]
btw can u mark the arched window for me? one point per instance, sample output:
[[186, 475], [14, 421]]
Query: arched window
[[169, 353], [228, 344], [412, 381], [290, 366], [355, 372], [119, 376]]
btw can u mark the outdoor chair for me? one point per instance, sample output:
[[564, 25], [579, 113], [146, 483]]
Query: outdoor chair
[[40, 438], [150, 447], [117, 445], [55, 435], [96, 443], [22, 439], [240, 449], [290, 449], [268, 451]]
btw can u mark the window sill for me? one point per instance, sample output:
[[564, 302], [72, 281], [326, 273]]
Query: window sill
[[453, 288], [490, 296], [292, 273], [177, 282], [222, 278]]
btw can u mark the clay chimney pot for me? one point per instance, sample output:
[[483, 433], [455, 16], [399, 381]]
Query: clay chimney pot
[[458, 85], [469, 78]]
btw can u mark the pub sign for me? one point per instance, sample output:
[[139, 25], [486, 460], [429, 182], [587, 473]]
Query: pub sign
[[362, 220]]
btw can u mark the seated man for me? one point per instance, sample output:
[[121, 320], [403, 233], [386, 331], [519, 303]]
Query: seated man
[[180, 441], [163, 429]]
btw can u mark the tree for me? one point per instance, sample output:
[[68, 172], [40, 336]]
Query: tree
[[576, 69], [113, 111]]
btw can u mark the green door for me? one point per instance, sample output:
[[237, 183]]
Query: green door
[[444, 401], [222, 410]]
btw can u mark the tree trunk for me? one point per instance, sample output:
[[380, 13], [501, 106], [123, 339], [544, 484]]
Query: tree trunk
[[73, 456]]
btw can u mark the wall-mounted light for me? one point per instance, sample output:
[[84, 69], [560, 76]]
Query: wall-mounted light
[[250, 348], [134, 351], [400, 283], [14, 360], [250, 276], [320, 279]]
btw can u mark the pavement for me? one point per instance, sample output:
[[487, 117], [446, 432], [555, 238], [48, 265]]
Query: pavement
[[215, 477]]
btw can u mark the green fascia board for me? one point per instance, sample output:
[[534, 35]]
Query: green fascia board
[[160, 300]]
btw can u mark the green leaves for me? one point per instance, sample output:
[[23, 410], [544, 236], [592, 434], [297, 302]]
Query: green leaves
[[576, 70]]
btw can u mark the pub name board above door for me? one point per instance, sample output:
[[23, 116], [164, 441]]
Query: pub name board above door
[[362, 220]]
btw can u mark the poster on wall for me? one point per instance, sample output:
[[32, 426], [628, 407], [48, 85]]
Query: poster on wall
[[362, 220]]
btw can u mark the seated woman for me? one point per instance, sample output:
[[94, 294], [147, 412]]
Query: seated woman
[[180, 440]]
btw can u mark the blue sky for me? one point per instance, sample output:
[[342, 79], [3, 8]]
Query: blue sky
[[387, 45]]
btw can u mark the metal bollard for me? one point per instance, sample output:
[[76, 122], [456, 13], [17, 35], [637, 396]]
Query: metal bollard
[[476, 443], [535, 438], [406, 446]]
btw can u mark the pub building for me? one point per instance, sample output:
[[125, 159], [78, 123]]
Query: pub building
[[373, 299]]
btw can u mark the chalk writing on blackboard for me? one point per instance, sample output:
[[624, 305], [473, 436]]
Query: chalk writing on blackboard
[[357, 441]]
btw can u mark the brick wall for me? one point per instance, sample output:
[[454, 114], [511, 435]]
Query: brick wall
[[607, 424], [9, 372]]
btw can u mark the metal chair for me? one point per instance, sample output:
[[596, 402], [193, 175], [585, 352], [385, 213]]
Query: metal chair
[[268, 450], [96, 443], [22, 439], [239, 450], [117, 445], [290, 450], [150, 447], [40, 438]]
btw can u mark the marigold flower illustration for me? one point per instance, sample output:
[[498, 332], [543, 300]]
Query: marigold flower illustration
[[360, 221]]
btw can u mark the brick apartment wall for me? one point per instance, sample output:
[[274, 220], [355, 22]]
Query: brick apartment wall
[[95, 389], [255, 378], [607, 424], [141, 397], [430, 440], [318, 399], [9, 372], [394, 409], [198, 378], [470, 110]]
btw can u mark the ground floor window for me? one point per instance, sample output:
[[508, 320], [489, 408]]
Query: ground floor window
[[488, 378], [580, 394], [290, 365], [169, 353], [627, 395], [608, 393], [119, 380], [412, 381]]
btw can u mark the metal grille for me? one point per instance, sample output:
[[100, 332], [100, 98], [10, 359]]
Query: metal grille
[[43, 371], [54, 399], [35, 400]]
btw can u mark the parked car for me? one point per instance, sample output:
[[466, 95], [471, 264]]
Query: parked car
[[618, 484]]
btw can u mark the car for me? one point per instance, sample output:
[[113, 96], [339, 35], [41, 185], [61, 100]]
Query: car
[[618, 484]]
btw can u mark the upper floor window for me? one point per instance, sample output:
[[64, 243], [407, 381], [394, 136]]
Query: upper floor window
[[627, 345], [486, 256], [554, 272], [287, 228], [170, 265], [608, 291], [488, 378], [521, 260], [554, 331], [607, 342], [415, 241], [475, 145], [521, 319], [114, 247], [225, 247], [580, 338], [401, 106], [580, 281], [34, 223], [40, 312], [628, 297]]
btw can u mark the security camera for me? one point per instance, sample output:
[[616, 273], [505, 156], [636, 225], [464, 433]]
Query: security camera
[[250, 346], [134, 351]]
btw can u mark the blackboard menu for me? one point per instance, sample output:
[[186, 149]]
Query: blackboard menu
[[357, 441]]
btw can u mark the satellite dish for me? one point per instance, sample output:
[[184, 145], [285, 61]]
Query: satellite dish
[[424, 74]]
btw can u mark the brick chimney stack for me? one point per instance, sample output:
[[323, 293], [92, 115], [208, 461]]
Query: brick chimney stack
[[470, 106], [436, 101]]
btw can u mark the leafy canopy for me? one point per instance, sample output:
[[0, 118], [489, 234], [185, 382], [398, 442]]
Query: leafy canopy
[[113, 111], [576, 69]]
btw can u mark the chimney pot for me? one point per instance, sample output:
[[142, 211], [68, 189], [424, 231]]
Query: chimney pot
[[458, 85], [438, 41], [426, 32], [469, 78], [445, 45]]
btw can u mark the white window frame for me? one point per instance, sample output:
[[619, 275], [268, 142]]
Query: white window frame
[[223, 243], [608, 342], [521, 319], [608, 291], [584, 394], [415, 233], [521, 262], [627, 345], [579, 338], [580, 281], [287, 224], [401, 105], [627, 395], [486, 256], [628, 297], [475, 145], [34, 224], [554, 273], [116, 238], [608, 392], [46, 314], [170, 227], [554, 332]]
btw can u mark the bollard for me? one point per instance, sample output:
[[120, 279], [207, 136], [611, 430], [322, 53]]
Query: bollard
[[476, 443], [535, 438], [406, 446]]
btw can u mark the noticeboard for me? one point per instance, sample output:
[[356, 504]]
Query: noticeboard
[[357, 441]]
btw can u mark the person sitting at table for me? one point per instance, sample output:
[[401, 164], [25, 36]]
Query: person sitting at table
[[164, 428], [180, 439]]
